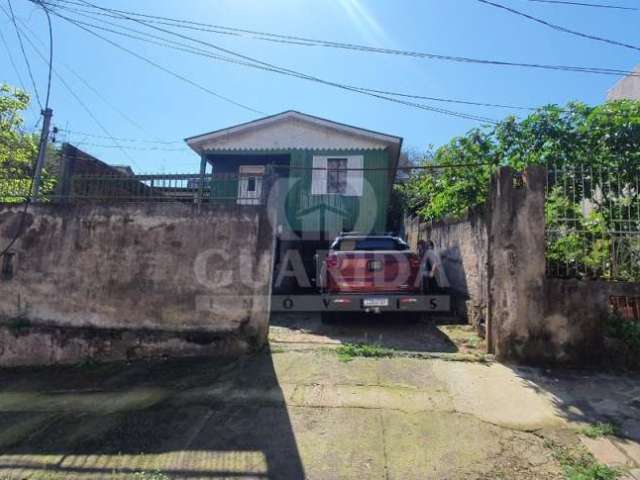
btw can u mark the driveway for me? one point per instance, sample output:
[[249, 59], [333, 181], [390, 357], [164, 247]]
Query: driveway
[[299, 411]]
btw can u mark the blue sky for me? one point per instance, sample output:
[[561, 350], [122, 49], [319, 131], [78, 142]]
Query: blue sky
[[161, 107]]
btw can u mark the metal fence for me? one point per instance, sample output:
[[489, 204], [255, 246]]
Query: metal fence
[[243, 189], [592, 216]]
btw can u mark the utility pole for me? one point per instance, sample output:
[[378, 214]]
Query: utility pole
[[47, 113]]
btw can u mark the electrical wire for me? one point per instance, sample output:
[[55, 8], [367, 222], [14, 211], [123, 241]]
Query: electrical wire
[[13, 63], [138, 140], [46, 11], [78, 99], [304, 41], [126, 147], [584, 4], [280, 70], [559, 27], [24, 54], [177, 75], [43, 141], [91, 87], [196, 51]]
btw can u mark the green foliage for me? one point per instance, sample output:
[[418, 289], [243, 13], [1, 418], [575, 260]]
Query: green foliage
[[448, 191], [581, 465], [348, 351], [605, 136], [626, 331], [397, 207], [575, 239], [18, 149], [592, 153], [600, 429]]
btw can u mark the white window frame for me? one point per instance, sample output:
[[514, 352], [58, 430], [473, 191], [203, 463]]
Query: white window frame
[[355, 175]]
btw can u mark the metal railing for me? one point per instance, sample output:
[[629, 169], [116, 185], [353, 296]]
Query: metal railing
[[592, 216], [243, 189]]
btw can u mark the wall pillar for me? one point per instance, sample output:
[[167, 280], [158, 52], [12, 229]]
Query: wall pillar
[[516, 262]]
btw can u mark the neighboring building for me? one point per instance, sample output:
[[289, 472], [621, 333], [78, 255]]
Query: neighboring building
[[323, 177], [86, 176], [126, 170], [626, 88]]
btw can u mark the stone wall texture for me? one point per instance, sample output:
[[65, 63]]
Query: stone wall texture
[[115, 282], [462, 245]]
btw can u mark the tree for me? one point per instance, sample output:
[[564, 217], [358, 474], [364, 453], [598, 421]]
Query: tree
[[576, 137], [593, 158], [18, 149]]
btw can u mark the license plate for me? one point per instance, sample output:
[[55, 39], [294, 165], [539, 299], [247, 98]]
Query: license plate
[[375, 302], [375, 265]]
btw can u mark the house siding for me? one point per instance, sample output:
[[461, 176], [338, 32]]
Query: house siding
[[328, 214], [368, 212]]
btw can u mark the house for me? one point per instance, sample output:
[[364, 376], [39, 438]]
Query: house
[[627, 87], [318, 177]]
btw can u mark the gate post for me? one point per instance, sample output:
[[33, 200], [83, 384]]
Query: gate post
[[516, 264]]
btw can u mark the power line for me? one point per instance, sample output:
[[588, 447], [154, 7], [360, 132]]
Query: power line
[[164, 69], [121, 139], [177, 75], [91, 87], [126, 147], [585, 4], [34, 181], [24, 54], [559, 27], [275, 69], [196, 51], [304, 41], [77, 98], [13, 64], [46, 11], [284, 71]]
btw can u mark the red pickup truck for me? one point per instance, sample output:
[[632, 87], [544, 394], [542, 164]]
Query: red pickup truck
[[374, 274]]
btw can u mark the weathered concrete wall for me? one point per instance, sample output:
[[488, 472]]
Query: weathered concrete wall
[[112, 282], [576, 310], [462, 245], [517, 268], [496, 258]]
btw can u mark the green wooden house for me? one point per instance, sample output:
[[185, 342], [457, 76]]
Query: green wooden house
[[318, 177]]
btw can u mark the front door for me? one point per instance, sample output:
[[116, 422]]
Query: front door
[[250, 184]]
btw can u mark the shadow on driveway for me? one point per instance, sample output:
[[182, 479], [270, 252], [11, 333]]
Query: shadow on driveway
[[186, 418], [386, 331]]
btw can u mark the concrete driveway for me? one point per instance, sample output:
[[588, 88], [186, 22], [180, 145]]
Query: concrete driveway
[[296, 413]]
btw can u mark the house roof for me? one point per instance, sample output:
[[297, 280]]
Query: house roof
[[627, 87], [294, 130]]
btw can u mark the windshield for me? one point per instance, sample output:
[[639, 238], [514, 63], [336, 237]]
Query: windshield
[[369, 243]]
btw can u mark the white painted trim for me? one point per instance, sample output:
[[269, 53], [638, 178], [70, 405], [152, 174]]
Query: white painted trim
[[355, 178], [319, 175], [199, 140]]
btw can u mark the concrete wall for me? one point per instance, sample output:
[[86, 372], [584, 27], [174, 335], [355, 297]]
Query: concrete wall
[[133, 280], [516, 261], [575, 311], [496, 258], [462, 245]]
